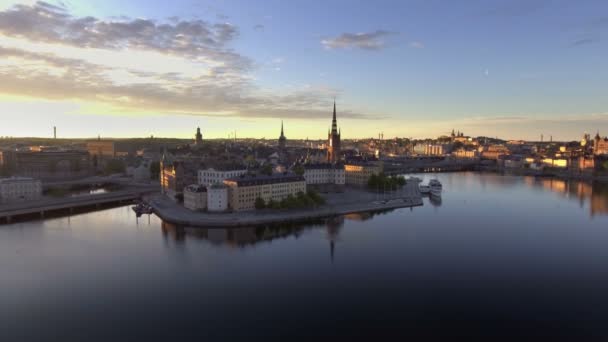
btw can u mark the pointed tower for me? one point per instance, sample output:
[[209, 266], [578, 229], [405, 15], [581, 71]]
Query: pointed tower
[[198, 138], [282, 139], [333, 140]]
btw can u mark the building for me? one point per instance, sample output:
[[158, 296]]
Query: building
[[244, 190], [47, 165], [333, 140], [325, 177], [195, 197], [600, 145], [198, 137], [282, 139], [211, 176], [465, 154], [493, 151], [102, 148], [217, 198], [19, 189], [358, 174], [175, 175], [432, 149]]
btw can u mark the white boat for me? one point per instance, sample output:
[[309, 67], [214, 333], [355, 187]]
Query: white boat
[[435, 192], [435, 185], [424, 189]]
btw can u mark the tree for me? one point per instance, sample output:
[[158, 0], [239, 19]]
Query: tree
[[298, 170], [266, 170], [259, 203]]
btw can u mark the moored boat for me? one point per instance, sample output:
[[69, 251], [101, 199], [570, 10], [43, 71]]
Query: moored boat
[[424, 189]]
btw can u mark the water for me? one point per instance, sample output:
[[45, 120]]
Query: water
[[497, 257]]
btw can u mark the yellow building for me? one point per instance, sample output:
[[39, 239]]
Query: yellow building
[[358, 174], [244, 190]]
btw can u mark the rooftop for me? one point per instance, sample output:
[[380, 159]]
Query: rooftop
[[251, 180]]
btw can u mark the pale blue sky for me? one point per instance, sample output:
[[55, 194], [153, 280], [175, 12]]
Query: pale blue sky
[[407, 68]]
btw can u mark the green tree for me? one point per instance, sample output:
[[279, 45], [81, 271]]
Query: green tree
[[259, 203], [298, 170], [266, 170]]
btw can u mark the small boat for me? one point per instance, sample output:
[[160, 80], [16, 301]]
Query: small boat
[[142, 208], [424, 189]]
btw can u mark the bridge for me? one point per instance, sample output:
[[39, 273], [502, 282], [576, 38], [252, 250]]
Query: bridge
[[420, 165], [14, 210]]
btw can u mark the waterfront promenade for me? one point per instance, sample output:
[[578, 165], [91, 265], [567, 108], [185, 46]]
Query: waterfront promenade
[[351, 201]]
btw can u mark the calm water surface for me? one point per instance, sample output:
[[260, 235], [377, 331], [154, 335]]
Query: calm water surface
[[498, 256]]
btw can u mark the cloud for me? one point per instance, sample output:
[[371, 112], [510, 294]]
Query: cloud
[[141, 65], [583, 41], [366, 41], [46, 23], [259, 27], [416, 45]]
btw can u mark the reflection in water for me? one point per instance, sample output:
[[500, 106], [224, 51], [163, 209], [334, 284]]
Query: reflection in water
[[458, 269], [594, 192], [435, 200]]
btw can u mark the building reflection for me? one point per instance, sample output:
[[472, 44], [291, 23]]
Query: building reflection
[[595, 193]]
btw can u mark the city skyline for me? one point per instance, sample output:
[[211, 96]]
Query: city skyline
[[402, 69]]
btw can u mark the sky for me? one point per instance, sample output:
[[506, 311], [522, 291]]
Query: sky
[[414, 69]]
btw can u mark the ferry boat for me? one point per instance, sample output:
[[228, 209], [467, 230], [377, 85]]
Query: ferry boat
[[424, 189], [436, 187]]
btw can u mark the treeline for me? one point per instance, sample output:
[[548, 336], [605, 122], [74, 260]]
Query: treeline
[[384, 182], [301, 200]]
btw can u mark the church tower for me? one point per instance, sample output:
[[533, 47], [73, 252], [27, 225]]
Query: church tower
[[282, 139], [333, 140], [198, 138]]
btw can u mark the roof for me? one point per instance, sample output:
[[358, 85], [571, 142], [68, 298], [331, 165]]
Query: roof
[[196, 188], [322, 166], [225, 168], [252, 180], [217, 186]]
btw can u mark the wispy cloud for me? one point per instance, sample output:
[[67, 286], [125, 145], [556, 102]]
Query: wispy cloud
[[583, 41], [366, 41], [173, 66], [416, 45]]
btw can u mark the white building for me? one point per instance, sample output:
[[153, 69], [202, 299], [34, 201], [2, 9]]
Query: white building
[[195, 197], [217, 198], [217, 176], [325, 173], [16, 189]]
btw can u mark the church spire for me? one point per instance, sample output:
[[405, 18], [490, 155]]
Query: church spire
[[334, 122], [282, 128]]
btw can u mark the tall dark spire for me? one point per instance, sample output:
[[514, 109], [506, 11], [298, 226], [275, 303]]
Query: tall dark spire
[[334, 122], [282, 128]]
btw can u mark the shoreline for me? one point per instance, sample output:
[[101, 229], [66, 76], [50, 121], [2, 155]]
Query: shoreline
[[352, 200], [174, 213]]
